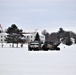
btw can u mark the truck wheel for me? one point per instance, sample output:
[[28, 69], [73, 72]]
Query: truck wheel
[[30, 49], [52, 49], [46, 50], [44, 47], [36, 49]]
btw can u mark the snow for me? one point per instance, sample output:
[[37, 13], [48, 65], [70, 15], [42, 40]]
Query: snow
[[20, 61]]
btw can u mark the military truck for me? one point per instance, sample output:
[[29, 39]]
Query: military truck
[[35, 45], [50, 46]]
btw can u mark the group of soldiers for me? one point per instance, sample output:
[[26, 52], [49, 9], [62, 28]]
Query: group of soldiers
[[10, 45]]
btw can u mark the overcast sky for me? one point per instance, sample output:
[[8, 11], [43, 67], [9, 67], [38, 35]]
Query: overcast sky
[[39, 14]]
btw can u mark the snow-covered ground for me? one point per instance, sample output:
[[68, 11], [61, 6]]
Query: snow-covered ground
[[20, 61]]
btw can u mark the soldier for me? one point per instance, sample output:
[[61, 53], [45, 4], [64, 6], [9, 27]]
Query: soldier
[[22, 45]]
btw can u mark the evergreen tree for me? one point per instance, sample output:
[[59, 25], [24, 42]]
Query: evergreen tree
[[15, 35], [37, 37]]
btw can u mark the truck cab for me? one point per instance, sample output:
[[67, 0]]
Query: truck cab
[[34, 45]]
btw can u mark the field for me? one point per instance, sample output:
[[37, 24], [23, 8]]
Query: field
[[20, 61]]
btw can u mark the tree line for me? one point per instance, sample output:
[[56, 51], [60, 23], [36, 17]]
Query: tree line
[[62, 36], [15, 36]]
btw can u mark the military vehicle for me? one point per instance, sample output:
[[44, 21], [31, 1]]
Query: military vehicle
[[50, 46], [37, 45]]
